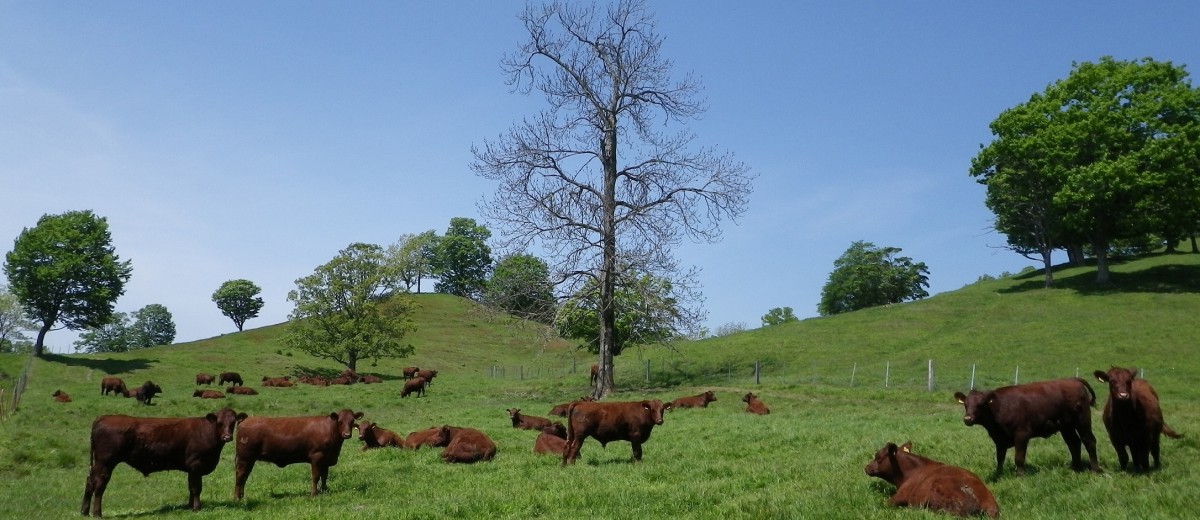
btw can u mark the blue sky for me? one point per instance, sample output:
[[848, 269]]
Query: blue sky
[[256, 139]]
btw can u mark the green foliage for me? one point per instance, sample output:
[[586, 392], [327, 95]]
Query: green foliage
[[732, 327], [13, 324], [520, 286], [646, 309], [411, 257], [779, 316], [239, 300], [462, 259], [341, 314], [869, 276], [66, 271], [151, 325]]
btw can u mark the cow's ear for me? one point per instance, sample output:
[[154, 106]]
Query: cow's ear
[[906, 447], [1101, 376], [991, 397], [358, 415], [333, 415], [891, 448], [241, 417], [212, 417], [1133, 372], [958, 396]]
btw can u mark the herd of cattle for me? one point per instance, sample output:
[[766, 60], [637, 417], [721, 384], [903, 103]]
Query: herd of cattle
[[1012, 415]]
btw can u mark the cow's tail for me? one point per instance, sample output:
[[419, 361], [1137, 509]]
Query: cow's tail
[[1169, 432], [1089, 389]]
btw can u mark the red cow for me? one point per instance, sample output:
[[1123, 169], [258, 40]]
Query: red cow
[[527, 422], [314, 380], [373, 436], [192, 445], [561, 409], [410, 372], [114, 385], [144, 393], [607, 422], [316, 440], [922, 482], [466, 445], [61, 396], [754, 405], [695, 401], [427, 375], [1133, 418], [1012, 415], [595, 374], [232, 378], [241, 390], [284, 381], [342, 380], [551, 441], [208, 394], [416, 385], [205, 379], [368, 379], [429, 437]]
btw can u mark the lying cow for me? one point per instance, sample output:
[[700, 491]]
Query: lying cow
[[233, 378], [466, 445], [144, 393], [695, 401], [551, 441], [414, 386], [113, 384], [561, 409], [1012, 415], [1133, 418], [241, 390], [316, 440], [373, 436], [923, 482], [208, 394], [428, 437], [755, 405], [527, 422], [607, 422], [192, 445], [205, 379], [369, 379], [61, 396], [282, 382]]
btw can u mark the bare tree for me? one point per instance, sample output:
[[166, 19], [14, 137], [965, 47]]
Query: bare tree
[[607, 178]]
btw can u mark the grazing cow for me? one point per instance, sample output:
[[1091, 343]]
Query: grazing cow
[[241, 390], [427, 375], [428, 437], [144, 393], [61, 396], [373, 436], [551, 441], [208, 394], [410, 372], [232, 378], [595, 374], [416, 385], [192, 445], [1133, 418], [607, 422], [368, 379], [205, 379], [466, 445], [695, 401], [284, 381], [113, 384], [561, 409], [1012, 415], [754, 405], [923, 482], [527, 422], [316, 440]]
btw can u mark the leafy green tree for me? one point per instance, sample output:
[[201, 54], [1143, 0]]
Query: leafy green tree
[[239, 300], [647, 312], [412, 258], [778, 316], [114, 336], [463, 258], [730, 328], [152, 325], [342, 313], [13, 324], [520, 285], [869, 276], [65, 271]]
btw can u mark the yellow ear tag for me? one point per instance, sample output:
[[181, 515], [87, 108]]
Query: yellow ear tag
[[905, 449]]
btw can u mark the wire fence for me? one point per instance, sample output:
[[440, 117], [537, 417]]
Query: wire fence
[[10, 397]]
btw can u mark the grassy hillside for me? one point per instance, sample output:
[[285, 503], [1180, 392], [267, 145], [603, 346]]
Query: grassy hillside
[[839, 387]]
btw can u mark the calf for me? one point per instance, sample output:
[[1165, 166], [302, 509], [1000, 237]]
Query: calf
[[205, 379], [551, 441], [695, 401], [410, 372], [429, 437], [316, 440], [1012, 415], [607, 422], [284, 381], [527, 422], [192, 445], [561, 409], [373, 436], [754, 405], [232, 378], [114, 385], [368, 379], [144, 393], [208, 394], [61, 396], [416, 385], [466, 445], [241, 390], [1133, 418], [922, 482]]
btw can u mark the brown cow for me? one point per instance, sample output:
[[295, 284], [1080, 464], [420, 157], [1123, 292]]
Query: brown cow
[[607, 422], [466, 445], [233, 378], [113, 384], [316, 440], [427, 375], [205, 379], [551, 441], [1133, 418], [144, 393], [373, 436], [428, 437], [285, 381], [695, 401], [923, 482], [1012, 415], [368, 379], [754, 405], [192, 445], [61, 396], [561, 409], [527, 422], [342, 380], [595, 374], [410, 372], [241, 390], [208, 394], [314, 380], [416, 385]]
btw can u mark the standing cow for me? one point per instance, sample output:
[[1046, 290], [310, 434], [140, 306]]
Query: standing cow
[[923, 482], [233, 378], [1133, 418], [113, 384], [1012, 415], [205, 379], [192, 445], [607, 422], [144, 393], [409, 372], [316, 440], [414, 386]]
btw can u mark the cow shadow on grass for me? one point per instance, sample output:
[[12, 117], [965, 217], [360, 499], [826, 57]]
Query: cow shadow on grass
[[107, 365], [1165, 279]]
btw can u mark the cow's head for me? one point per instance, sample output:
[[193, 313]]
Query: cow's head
[[654, 410], [364, 429], [749, 397], [976, 405], [442, 437], [1120, 382], [225, 420], [345, 421], [885, 464], [555, 429], [514, 413], [709, 396]]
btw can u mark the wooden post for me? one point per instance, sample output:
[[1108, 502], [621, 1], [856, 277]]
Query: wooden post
[[887, 373], [972, 387], [929, 377], [647, 371], [1017, 375], [757, 372], [852, 372]]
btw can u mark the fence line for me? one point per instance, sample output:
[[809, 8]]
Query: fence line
[[9, 406]]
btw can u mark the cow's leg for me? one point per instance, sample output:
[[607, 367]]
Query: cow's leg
[[1141, 454], [1071, 438], [97, 482], [1020, 445], [242, 469], [1154, 439], [1089, 442], [195, 485], [571, 450], [637, 451], [1001, 451]]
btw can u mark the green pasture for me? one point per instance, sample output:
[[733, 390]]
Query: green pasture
[[838, 388]]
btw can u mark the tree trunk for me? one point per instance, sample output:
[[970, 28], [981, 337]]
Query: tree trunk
[[1100, 248], [608, 267], [39, 346], [1047, 267], [1075, 255], [1194, 248], [352, 361]]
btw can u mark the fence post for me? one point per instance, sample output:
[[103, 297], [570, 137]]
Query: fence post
[[757, 372], [972, 387], [887, 373], [852, 372], [1017, 375], [929, 377], [573, 362], [647, 371]]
